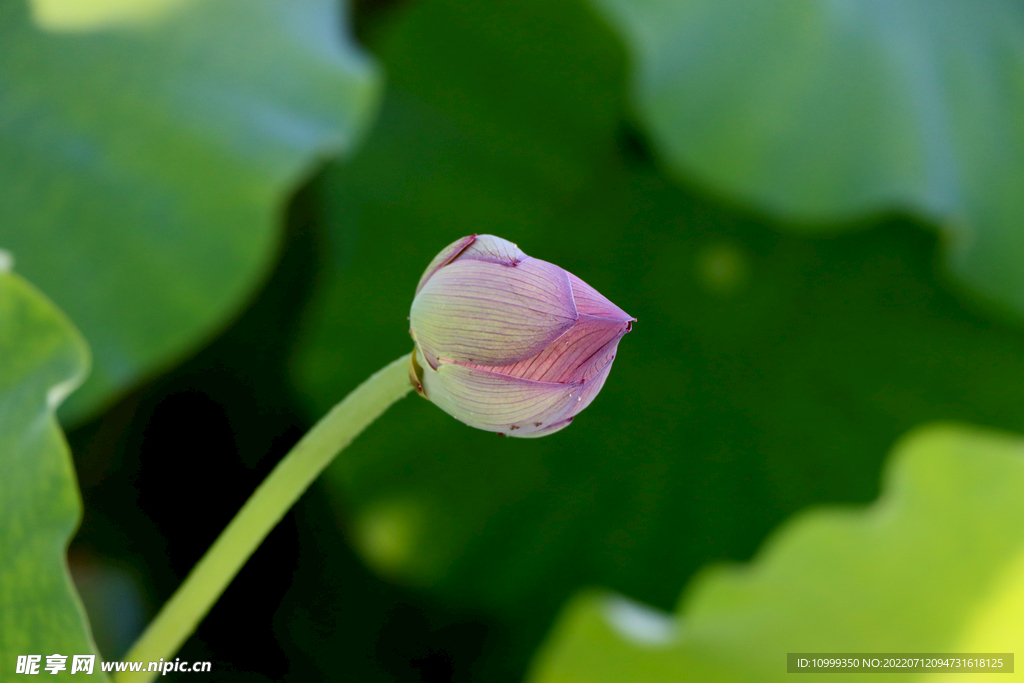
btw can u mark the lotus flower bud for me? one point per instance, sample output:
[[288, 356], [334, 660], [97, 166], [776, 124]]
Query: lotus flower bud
[[509, 343]]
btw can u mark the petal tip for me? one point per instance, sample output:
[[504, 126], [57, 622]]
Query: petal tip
[[495, 250], [446, 256]]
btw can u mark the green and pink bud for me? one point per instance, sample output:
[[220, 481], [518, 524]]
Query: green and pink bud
[[510, 343]]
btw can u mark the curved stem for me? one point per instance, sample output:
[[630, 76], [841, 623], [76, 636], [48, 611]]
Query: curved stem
[[261, 513]]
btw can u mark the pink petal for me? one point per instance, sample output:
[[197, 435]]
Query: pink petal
[[550, 429], [577, 355], [486, 313], [497, 403], [592, 302], [590, 389], [447, 255], [495, 250]]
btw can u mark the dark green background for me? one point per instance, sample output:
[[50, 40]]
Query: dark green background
[[766, 372]]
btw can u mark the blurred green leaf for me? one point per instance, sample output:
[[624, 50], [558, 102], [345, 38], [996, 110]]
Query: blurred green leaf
[[828, 111], [144, 165], [72, 15], [766, 372], [42, 359], [935, 565]]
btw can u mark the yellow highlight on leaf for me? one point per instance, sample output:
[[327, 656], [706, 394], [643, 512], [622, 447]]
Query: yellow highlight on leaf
[[723, 268], [72, 16], [997, 624], [386, 532]]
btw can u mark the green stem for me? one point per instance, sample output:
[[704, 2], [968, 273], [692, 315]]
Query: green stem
[[261, 513]]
